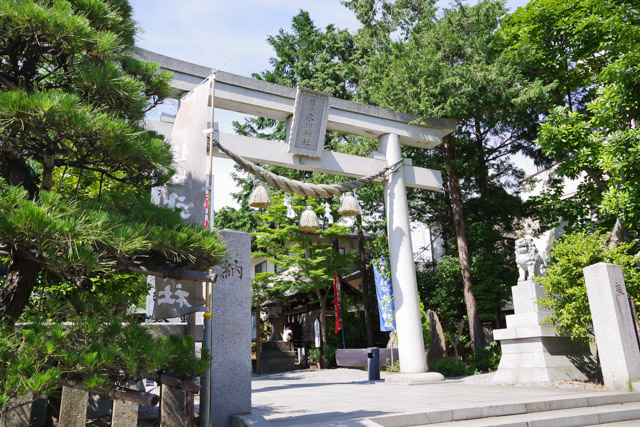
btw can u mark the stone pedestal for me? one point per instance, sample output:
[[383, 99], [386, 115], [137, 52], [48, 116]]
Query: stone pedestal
[[532, 350], [276, 357], [613, 326]]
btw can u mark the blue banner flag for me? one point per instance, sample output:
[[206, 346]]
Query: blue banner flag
[[384, 291]]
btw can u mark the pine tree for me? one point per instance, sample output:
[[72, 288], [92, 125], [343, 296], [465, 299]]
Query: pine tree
[[72, 143], [76, 167]]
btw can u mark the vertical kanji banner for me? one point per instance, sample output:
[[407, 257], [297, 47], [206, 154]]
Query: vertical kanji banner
[[185, 192], [175, 299], [384, 292]]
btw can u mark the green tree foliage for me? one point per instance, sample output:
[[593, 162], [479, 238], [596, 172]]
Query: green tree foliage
[[452, 66], [440, 290], [564, 279], [95, 347], [76, 166], [305, 262], [71, 103], [586, 52]]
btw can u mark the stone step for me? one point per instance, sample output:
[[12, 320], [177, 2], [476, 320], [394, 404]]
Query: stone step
[[532, 331], [574, 417], [279, 353], [628, 404], [528, 319]]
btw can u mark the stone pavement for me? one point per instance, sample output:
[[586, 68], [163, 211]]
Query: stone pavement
[[285, 401]]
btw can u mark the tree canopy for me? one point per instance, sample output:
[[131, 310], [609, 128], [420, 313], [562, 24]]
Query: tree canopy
[[71, 103], [76, 167], [586, 53]]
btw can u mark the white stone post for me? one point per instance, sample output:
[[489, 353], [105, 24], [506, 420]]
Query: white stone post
[[403, 272], [613, 325]]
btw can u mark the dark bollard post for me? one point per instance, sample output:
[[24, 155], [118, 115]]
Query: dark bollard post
[[373, 363]]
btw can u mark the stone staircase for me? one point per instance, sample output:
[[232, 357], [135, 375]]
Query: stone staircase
[[588, 409]]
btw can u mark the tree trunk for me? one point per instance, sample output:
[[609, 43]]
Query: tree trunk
[[362, 264], [619, 234], [17, 288], [47, 171], [450, 230], [23, 273], [475, 326], [18, 173], [483, 170]]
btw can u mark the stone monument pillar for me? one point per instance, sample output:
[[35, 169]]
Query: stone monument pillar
[[532, 350], [231, 332], [613, 326]]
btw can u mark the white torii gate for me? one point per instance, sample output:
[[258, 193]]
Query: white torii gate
[[263, 99]]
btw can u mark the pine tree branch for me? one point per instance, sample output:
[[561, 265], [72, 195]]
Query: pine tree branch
[[106, 172], [169, 273], [5, 81], [173, 382], [139, 397]]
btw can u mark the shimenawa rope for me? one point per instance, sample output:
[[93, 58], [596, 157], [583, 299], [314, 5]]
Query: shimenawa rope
[[302, 188]]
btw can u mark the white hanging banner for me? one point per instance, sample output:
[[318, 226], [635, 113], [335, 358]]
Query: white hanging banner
[[327, 212], [186, 192], [316, 329], [287, 203]]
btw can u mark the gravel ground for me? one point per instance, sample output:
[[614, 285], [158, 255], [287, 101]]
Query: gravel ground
[[343, 375]]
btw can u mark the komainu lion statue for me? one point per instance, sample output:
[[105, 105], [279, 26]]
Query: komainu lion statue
[[530, 263]]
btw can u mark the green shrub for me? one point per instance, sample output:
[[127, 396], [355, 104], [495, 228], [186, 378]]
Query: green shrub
[[314, 354], [329, 354], [426, 329], [395, 367], [451, 368], [564, 280], [487, 358]]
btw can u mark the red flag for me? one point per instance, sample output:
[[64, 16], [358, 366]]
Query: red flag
[[336, 301]]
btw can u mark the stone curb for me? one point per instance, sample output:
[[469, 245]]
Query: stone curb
[[540, 408]]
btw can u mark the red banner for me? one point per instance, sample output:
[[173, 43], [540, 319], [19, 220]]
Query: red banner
[[336, 301]]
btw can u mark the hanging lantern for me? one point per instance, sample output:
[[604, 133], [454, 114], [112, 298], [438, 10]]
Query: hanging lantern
[[349, 205], [259, 197], [309, 220]]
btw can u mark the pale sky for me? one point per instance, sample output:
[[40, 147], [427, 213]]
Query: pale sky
[[210, 32]]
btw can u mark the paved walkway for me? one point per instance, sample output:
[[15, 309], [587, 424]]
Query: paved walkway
[[286, 401]]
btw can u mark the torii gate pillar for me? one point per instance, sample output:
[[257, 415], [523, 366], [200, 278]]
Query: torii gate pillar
[[403, 273]]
